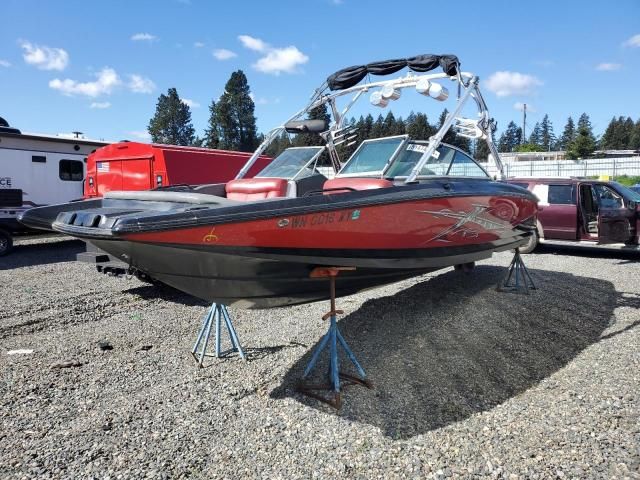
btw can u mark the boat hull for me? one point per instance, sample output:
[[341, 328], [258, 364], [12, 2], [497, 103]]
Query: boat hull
[[261, 255], [266, 278]]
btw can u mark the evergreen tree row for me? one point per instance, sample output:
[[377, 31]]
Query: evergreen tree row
[[621, 134], [578, 141], [416, 125]]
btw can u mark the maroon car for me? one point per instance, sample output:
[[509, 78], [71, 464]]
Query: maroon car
[[574, 211]]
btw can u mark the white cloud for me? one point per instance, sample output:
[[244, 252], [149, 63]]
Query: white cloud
[[4, 63], [223, 54], [504, 84], [263, 100], [632, 42], [520, 107], [280, 60], [275, 60], [143, 37], [253, 43], [140, 135], [608, 67], [100, 105], [190, 103], [45, 58], [198, 44], [107, 79], [140, 84]]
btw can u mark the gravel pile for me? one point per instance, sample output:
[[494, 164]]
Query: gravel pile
[[469, 382]]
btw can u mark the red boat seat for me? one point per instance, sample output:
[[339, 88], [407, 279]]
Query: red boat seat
[[349, 184], [247, 189]]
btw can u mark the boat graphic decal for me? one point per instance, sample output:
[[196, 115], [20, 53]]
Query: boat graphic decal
[[461, 227], [210, 237]]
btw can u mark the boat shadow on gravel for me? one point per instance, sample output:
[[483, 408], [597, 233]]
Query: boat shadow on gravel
[[452, 346], [623, 256], [167, 293], [32, 254]]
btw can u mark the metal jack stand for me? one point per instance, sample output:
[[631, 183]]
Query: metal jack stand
[[517, 279], [217, 312], [332, 339]]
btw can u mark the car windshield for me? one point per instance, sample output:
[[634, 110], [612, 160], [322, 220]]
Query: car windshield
[[292, 161], [627, 192], [372, 156], [446, 161]]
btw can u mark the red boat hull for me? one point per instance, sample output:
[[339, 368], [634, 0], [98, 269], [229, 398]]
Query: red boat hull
[[422, 224], [266, 262]]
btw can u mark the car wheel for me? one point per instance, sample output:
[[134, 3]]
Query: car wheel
[[531, 244], [6, 242]]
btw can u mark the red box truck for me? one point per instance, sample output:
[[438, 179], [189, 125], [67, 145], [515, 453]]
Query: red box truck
[[141, 166]]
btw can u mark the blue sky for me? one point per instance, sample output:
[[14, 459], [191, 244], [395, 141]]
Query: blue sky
[[99, 66]]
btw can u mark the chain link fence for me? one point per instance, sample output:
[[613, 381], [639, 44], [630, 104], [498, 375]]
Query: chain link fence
[[592, 167]]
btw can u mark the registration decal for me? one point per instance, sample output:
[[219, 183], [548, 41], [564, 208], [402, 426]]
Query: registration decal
[[315, 219]]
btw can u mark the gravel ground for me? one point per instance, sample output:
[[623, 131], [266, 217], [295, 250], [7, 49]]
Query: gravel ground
[[469, 382]]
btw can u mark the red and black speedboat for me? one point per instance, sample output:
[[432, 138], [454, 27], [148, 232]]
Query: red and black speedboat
[[396, 208]]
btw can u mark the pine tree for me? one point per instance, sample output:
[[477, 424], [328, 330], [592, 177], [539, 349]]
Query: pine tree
[[171, 124], [585, 123], [368, 127], [584, 143], [377, 130], [547, 137], [536, 135], [418, 127], [234, 116], [212, 132], [626, 132], [608, 139], [481, 151], [634, 142], [449, 137], [278, 145], [389, 125], [510, 138], [568, 135]]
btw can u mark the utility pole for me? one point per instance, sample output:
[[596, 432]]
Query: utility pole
[[524, 123]]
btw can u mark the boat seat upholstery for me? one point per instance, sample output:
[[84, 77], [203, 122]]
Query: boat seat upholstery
[[249, 189], [335, 185]]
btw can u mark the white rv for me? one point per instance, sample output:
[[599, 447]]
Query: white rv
[[37, 170]]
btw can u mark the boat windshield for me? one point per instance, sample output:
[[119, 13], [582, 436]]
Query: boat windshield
[[372, 156], [446, 161], [295, 162]]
